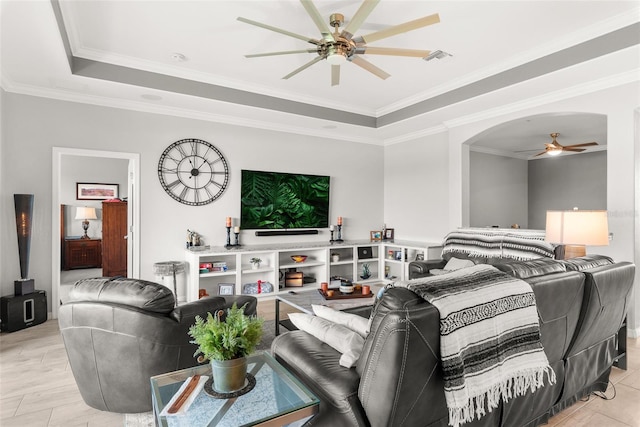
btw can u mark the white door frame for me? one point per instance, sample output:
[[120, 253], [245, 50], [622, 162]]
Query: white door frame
[[133, 214]]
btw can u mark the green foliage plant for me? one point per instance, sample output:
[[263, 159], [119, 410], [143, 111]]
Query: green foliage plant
[[234, 337]]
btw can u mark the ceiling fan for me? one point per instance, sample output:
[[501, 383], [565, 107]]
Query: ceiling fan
[[554, 147], [338, 47]]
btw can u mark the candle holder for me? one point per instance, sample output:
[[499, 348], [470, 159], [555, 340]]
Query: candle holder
[[331, 240], [237, 234], [339, 239], [228, 245]]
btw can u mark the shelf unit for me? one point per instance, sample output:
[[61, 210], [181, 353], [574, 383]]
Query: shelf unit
[[276, 262]]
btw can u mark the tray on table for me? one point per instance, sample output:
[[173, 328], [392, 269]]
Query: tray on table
[[357, 293]]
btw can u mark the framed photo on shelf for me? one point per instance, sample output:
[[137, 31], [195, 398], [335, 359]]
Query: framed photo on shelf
[[226, 289], [95, 191], [375, 235], [398, 255], [388, 234]]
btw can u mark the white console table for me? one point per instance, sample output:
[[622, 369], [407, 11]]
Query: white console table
[[388, 260]]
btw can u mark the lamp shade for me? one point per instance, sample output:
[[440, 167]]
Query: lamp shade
[[86, 213], [577, 227]]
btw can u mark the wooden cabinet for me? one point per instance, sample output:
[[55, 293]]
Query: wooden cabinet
[[114, 241], [82, 253]]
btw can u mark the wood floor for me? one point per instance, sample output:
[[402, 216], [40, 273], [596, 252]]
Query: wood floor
[[37, 387]]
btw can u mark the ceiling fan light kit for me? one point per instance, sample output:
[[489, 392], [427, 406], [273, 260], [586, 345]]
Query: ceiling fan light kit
[[341, 46]]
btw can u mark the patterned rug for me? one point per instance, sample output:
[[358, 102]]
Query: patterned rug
[[146, 419]]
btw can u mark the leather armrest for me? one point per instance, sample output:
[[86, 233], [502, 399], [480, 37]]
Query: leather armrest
[[188, 311], [421, 268]]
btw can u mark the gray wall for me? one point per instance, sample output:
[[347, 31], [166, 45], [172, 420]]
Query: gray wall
[[497, 191], [561, 183]]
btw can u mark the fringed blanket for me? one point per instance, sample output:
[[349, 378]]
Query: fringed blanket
[[489, 338], [498, 243]]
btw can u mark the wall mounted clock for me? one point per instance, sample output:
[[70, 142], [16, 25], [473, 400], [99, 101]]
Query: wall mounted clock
[[193, 172]]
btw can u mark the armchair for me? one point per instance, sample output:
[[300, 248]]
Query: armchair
[[119, 332]]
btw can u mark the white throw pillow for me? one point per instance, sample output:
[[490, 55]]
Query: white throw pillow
[[357, 324], [337, 336], [457, 264]]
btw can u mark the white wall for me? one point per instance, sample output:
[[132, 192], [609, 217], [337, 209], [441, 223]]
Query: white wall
[[498, 188], [355, 170], [415, 189], [74, 169], [618, 103]]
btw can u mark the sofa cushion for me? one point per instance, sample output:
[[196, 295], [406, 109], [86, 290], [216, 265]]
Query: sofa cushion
[[587, 262], [337, 336], [357, 324], [532, 268], [148, 296]]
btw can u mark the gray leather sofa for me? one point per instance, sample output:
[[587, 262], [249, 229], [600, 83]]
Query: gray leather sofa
[[120, 332], [398, 379]]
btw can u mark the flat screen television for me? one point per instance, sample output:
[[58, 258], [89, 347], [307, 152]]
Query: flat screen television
[[281, 201]]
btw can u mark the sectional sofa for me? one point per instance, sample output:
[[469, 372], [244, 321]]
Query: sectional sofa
[[398, 380]]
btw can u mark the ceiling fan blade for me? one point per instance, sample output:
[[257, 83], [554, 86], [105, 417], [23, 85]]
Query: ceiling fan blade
[[335, 75], [399, 29], [284, 52], [278, 30], [586, 144], [358, 19], [370, 50], [540, 154], [304, 67], [578, 150], [317, 18], [369, 67]]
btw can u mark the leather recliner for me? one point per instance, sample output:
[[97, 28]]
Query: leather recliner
[[120, 332]]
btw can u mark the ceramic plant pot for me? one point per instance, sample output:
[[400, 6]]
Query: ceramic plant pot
[[229, 375]]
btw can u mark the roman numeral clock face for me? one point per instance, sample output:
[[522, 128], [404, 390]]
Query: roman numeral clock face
[[193, 172]]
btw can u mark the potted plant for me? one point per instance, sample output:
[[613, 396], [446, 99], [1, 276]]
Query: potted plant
[[255, 262], [226, 343]]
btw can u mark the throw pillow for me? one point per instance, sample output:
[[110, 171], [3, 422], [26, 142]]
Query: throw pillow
[[337, 336], [357, 324], [457, 264]]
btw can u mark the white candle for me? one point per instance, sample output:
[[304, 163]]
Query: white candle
[[331, 227], [236, 229]]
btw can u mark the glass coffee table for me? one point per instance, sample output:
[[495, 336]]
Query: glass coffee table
[[278, 398]]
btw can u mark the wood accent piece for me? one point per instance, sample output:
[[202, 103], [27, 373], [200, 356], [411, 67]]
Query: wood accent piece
[[82, 253], [114, 243]]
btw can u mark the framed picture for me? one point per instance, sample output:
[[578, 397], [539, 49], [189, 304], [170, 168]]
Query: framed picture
[[94, 191], [226, 289], [365, 252], [375, 235], [388, 234], [398, 255]]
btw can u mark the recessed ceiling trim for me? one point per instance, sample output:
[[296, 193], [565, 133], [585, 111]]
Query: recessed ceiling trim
[[585, 51]]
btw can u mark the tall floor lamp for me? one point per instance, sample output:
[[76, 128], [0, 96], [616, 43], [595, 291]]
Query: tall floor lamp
[[24, 217], [576, 229]]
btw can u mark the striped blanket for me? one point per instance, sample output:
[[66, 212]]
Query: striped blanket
[[489, 338], [498, 243]]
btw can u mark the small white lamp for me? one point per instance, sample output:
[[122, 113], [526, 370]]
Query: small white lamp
[[576, 229], [85, 214]]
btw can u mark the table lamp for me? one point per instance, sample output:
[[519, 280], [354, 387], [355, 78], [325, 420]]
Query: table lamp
[[85, 214], [576, 229]]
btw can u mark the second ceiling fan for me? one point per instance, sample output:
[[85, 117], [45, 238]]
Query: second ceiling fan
[[338, 47], [554, 147]]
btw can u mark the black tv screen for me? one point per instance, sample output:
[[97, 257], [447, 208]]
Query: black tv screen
[[274, 200]]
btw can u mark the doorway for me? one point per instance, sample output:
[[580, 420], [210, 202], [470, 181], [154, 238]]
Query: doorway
[[64, 155]]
